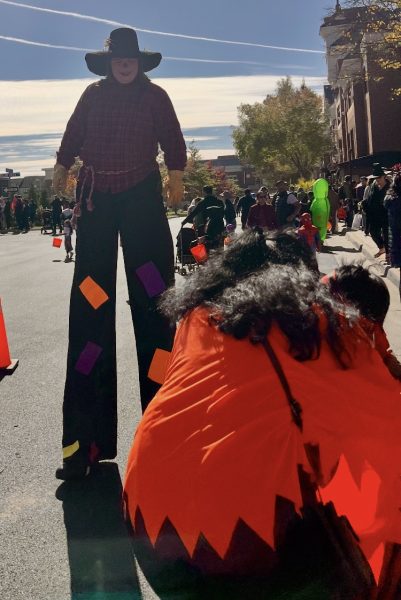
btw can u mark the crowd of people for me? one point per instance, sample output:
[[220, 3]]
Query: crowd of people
[[17, 215], [373, 204]]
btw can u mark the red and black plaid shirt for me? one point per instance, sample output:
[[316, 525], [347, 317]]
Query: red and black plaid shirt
[[116, 130]]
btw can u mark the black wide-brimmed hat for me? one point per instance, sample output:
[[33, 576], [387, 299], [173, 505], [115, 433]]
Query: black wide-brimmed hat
[[377, 170], [122, 43]]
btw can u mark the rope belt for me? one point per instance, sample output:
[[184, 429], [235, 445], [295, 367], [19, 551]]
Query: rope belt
[[89, 172]]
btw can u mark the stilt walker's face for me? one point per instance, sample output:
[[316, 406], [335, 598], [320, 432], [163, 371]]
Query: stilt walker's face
[[124, 69]]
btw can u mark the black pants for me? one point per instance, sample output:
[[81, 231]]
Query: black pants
[[90, 401], [378, 228], [56, 221]]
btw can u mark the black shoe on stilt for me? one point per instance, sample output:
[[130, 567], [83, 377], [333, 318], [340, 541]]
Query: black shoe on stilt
[[74, 468]]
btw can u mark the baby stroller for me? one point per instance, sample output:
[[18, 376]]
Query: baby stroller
[[47, 221], [185, 239]]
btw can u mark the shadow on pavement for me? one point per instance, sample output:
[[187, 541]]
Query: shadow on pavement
[[99, 549], [331, 249]]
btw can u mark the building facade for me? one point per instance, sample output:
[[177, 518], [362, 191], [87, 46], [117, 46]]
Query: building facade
[[365, 115], [243, 174]]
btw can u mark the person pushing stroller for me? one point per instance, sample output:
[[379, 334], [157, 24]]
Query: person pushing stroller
[[211, 225]]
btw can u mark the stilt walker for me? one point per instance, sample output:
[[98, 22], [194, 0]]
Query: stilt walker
[[116, 129]]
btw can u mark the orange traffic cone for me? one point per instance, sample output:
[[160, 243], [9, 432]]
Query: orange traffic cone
[[7, 364]]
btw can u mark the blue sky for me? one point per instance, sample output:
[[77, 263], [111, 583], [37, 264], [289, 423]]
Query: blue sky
[[232, 71]]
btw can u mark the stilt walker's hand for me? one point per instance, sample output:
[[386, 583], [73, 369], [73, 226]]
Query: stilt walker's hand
[[175, 188], [59, 178]]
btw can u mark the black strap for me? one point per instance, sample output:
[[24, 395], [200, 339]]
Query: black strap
[[295, 407], [309, 490]]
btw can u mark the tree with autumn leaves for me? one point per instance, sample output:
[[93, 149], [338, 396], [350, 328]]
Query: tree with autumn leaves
[[383, 19], [286, 135], [72, 180], [199, 173]]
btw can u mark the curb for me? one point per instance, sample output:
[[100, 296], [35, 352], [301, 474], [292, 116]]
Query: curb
[[392, 274]]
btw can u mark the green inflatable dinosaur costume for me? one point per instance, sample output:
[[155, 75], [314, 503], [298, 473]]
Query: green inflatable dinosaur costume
[[320, 207]]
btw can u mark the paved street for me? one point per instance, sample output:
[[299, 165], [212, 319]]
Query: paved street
[[61, 542]]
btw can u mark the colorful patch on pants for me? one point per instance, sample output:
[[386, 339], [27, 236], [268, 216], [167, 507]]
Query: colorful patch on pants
[[151, 279], [94, 294], [88, 358], [68, 451]]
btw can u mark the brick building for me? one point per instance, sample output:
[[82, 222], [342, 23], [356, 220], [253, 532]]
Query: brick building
[[365, 116], [234, 168]]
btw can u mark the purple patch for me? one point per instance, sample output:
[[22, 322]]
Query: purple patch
[[151, 279], [87, 358]]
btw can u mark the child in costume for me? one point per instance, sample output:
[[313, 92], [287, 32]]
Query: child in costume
[[309, 234], [212, 483], [320, 207], [67, 239], [368, 292]]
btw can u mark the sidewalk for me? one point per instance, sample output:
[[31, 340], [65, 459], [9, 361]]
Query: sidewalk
[[365, 243]]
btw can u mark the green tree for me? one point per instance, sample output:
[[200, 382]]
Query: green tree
[[33, 194], [44, 198], [221, 182], [197, 174], [286, 135]]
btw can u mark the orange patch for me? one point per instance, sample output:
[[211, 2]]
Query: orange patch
[[94, 294], [158, 368]]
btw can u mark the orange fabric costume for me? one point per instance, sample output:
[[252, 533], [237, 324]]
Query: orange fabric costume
[[217, 443]]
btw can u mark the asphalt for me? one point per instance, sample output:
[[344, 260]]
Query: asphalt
[[61, 542]]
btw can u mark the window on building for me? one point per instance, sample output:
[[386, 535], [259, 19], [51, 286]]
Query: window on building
[[350, 97], [351, 144]]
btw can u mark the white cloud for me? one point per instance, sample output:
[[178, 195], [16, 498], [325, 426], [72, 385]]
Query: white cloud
[[44, 106], [32, 166], [36, 107]]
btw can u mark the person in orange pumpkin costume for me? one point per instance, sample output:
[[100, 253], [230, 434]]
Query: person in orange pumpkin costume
[[219, 470]]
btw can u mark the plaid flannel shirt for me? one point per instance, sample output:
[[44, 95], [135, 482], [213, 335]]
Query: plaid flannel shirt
[[116, 129]]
